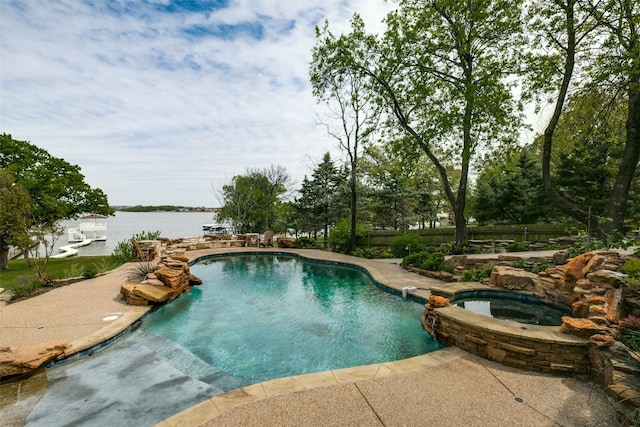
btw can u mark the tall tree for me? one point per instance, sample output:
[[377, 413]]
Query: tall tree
[[352, 116], [510, 190], [442, 71], [56, 190], [567, 33], [317, 205]]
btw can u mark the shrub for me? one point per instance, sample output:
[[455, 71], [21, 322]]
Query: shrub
[[632, 267], [476, 274], [426, 260], [630, 332], [409, 243], [518, 247], [304, 243], [540, 266], [141, 271], [90, 272], [124, 250], [24, 285], [341, 234]]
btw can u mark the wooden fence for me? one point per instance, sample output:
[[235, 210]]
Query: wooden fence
[[437, 236]]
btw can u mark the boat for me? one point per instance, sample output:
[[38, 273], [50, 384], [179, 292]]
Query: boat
[[92, 227], [217, 230]]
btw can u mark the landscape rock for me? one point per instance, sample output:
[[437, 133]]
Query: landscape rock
[[515, 279], [583, 328], [26, 358], [286, 242]]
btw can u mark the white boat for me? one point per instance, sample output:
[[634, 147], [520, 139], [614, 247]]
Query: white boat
[[217, 230], [92, 227]]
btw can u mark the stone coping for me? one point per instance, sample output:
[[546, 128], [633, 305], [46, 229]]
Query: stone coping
[[462, 316], [548, 334], [219, 404]]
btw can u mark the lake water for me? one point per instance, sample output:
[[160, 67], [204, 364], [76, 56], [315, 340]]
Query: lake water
[[124, 225]]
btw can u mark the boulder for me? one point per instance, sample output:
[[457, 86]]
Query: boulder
[[583, 328], [574, 268], [437, 301], [286, 242], [602, 340], [152, 293], [515, 279], [26, 358], [607, 278], [194, 280]]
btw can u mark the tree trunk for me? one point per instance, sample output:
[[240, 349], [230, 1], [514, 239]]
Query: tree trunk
[[352, 235], [4, 258], [629, 162]]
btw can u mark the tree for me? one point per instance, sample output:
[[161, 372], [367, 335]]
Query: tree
[[442, 71], [404, 192], [511, 190], [14, 212], [589, 139], [568, 33], [56, 191], [353, 117], [251, 201], [317, 206]]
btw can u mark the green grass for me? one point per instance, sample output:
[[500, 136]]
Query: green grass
[[19, 273]]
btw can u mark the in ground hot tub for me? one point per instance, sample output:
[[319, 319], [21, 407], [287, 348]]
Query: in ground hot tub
[[511, 306]]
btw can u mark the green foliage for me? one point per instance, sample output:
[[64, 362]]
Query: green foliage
[[14, 211], [251, 200], [520, 263], [142, 270], [540, 266], [319, 205], [585, 245], [518, 247], [453, 248], [401, 246], [305, 243], [340, 236], [24, 285], [631, 267], [510, 190], [55, 189], [124, 251], [431, 261], [476, 274], [368, 253], [630, 332]]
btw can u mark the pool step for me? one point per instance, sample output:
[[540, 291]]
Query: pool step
[[189, 363]]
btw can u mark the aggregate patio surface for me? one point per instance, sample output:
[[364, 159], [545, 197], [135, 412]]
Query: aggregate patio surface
[[445, 387]]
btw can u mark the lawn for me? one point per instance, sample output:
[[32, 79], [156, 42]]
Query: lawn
[[20, 275]]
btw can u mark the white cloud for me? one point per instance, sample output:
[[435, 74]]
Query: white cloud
[[155, 106]]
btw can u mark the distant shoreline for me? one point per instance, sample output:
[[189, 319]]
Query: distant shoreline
[[162, 208]]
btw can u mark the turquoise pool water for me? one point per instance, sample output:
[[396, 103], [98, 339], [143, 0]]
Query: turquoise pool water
[[263, 317]]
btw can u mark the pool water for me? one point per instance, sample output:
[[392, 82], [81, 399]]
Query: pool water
[[261, 317], [513, 307]]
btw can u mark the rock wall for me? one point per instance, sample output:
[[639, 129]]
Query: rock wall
[[168, 281], [591, 284], [535, 348]]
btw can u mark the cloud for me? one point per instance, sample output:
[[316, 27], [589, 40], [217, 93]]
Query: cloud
[[157, 100]]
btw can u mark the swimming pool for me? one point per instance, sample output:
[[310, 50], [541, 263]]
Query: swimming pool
[[259, 317]]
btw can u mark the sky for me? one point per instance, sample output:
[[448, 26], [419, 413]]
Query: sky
[[161, 102]]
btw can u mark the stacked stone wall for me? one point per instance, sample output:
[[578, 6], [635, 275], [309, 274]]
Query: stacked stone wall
[[537, 348]]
